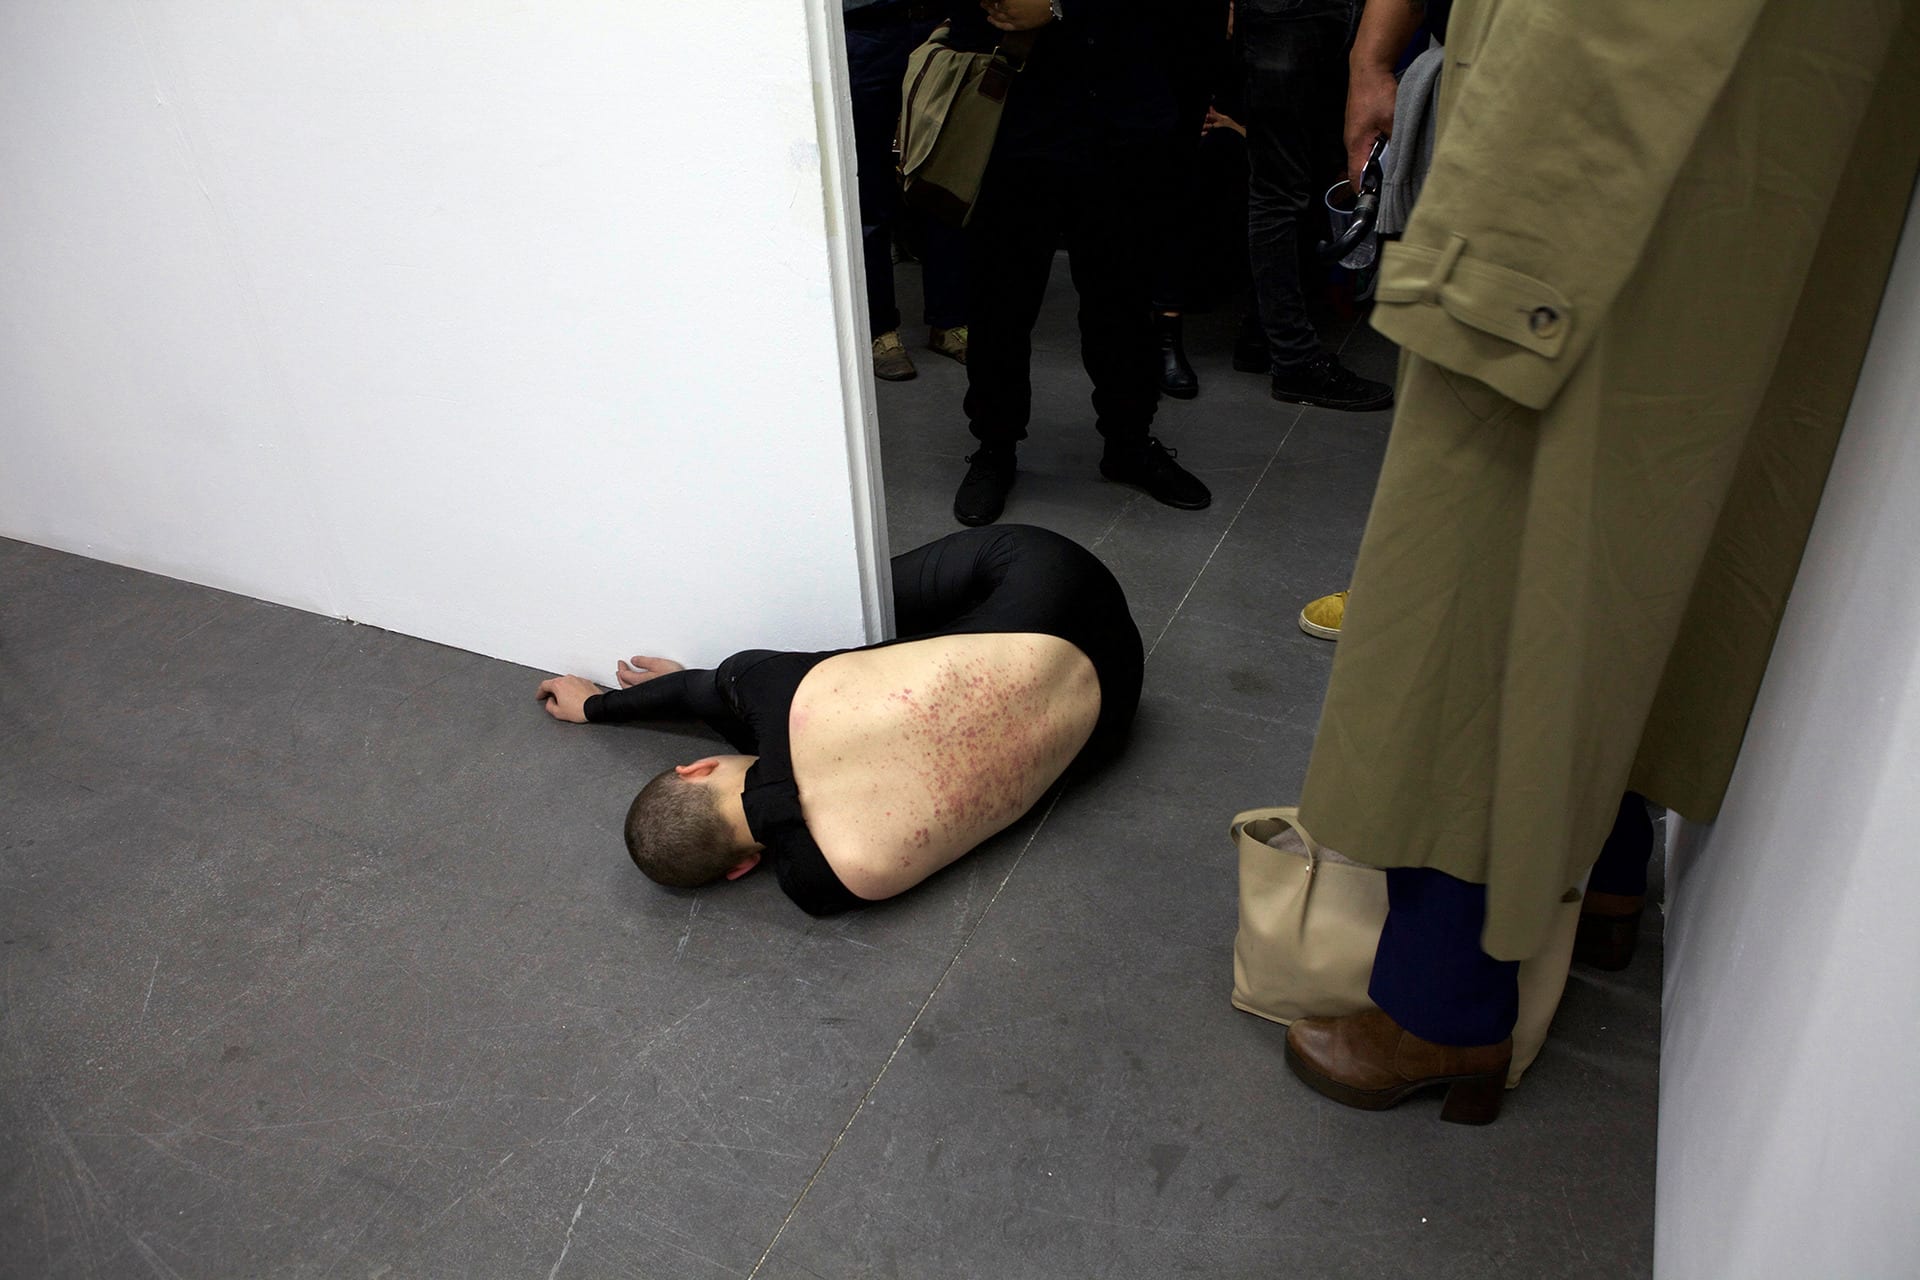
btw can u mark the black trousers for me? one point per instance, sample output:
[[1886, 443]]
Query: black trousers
[[1295, 58], [879, 40], [1028, 206]]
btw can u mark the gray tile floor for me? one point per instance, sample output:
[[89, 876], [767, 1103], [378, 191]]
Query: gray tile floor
[[320, 956]]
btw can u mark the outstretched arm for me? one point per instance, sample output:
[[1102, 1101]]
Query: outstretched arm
[[651, 689]]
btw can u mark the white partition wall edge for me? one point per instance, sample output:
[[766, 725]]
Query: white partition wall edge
[[1789, 1135], [833, 110], [534, 330]]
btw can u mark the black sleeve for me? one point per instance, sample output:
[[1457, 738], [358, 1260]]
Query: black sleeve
[[678, 695]]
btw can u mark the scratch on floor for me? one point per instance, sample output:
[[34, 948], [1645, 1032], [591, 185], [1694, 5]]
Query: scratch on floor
[[692, 911], [582, 1107], [150, 977], [577, 1209]]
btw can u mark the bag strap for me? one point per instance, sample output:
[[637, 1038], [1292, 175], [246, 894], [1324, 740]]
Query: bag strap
[[1288, 816]]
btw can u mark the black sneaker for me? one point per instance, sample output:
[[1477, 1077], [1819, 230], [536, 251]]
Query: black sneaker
[[1150, 466], [1325, 382], [983, 494]]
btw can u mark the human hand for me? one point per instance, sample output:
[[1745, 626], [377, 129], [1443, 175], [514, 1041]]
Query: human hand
[[639, 669], [1370, 94], [1017, 15], [1215, 119], [566, 697]]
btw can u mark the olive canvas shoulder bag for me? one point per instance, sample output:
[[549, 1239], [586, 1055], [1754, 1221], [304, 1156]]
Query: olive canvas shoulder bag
[[951, 103]]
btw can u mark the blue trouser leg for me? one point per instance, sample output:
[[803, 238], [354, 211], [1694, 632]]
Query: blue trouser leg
[[1429, 973]]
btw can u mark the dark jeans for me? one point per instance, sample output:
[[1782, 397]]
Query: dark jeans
[[1429, 973], [1027, 206], [1295, 55], [1203, 243], [879, 41], [1180, 212]]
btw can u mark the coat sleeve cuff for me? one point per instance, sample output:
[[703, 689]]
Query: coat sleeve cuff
[[1509, 330]]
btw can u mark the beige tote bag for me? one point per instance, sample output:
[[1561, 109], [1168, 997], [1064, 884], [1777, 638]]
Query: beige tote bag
[[1310, 921]]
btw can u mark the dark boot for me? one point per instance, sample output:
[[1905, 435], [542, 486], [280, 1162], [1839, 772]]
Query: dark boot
[[983, 493], [1176, 375], [1250, 351]]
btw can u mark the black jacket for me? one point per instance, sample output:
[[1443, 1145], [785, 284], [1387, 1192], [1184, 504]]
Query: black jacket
[[1098, 80]]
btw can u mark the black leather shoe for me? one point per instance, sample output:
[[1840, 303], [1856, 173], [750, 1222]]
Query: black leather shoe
[[1326, 383], [1177, 378], [1150, 466], [983, 494]]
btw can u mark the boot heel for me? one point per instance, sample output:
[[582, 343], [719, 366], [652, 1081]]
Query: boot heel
[[1475, 1100], [1606, 942]]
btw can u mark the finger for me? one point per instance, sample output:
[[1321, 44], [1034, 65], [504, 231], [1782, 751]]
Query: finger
[[546, 688]]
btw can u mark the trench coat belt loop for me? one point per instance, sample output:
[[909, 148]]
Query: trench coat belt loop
[[1456, 245]]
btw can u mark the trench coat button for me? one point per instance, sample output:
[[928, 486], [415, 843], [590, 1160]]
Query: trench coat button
[[1544, 321]]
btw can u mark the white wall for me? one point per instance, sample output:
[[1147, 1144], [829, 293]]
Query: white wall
[[508, 325], [1790, 1052]]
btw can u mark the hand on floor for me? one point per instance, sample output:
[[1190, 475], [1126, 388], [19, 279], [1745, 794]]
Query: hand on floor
[[566, 697], [639, 669]]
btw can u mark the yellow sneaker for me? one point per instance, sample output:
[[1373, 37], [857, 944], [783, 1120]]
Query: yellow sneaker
[[1322, 617], [951, 343]]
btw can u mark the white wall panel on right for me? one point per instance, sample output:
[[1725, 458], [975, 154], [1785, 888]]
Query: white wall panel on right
[[1790, 1050]]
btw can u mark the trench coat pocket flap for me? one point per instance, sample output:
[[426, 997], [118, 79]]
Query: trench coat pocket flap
[[1496, 300]]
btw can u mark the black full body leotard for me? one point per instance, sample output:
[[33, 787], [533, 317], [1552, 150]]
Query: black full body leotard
[[1001, 579]]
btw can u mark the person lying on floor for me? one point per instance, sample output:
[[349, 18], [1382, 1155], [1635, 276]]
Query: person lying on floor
[[863, 771]]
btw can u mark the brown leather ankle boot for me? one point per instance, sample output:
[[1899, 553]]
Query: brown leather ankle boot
[[1367, 1061]]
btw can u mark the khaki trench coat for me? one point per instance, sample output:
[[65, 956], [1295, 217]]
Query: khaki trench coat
[[1633, 301]]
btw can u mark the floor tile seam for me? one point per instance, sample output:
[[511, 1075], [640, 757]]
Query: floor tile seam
[[932, 994], [1221, 541]]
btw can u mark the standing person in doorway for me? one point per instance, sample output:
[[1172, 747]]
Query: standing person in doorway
[[1083, 133], [1295, 54], [880, 36]]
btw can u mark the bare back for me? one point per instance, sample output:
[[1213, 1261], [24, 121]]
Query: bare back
[[908, 756]]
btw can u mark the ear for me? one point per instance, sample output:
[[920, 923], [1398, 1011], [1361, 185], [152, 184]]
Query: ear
[[699, 768], [745, 865]]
